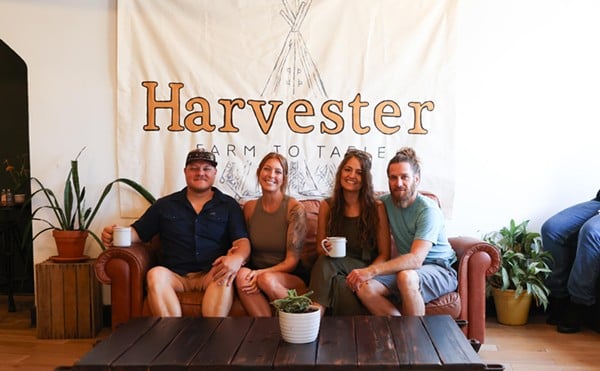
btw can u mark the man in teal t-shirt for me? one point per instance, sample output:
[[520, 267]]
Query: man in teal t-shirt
[[422, 271]]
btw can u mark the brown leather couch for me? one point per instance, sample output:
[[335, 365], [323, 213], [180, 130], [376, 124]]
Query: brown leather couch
[[125, 270]]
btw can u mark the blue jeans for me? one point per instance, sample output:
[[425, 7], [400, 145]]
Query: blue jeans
[[574, 273]]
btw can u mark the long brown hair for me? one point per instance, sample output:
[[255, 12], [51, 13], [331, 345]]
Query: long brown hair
[[369, 218]]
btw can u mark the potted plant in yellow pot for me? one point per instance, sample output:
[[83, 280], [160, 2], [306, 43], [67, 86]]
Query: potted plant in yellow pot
[[299, 320], [73, 217], [524, 268]]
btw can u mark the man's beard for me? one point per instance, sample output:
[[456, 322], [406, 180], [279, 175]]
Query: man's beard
[[404, 201]]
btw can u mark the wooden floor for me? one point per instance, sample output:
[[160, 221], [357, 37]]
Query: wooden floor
[[20, 349], [538, 346], [535, 346]]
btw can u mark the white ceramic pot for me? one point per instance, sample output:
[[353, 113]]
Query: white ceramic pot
[[300, 328]]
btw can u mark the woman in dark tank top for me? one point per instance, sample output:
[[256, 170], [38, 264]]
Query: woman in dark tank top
[[352, 212], [277, 227]]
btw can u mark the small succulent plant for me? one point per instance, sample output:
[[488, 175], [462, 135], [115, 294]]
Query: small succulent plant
[[293, 303]]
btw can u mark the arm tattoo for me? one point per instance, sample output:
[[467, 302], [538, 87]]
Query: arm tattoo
[[296, 229]]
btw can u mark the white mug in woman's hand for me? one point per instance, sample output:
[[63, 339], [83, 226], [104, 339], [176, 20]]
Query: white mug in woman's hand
[[338, 247]]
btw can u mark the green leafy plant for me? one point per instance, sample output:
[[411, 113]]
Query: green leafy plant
[[524, 266], [73, 213], [293, 303]]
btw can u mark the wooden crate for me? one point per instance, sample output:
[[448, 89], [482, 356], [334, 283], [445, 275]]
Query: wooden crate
[[69, 300]]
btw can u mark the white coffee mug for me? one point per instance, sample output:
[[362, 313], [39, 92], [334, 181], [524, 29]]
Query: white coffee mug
[[122, 236], [338, 247]]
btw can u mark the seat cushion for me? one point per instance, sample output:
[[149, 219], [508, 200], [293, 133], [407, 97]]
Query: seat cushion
[[446, 304]]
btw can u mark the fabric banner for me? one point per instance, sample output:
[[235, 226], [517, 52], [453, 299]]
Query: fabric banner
[[308, 79]]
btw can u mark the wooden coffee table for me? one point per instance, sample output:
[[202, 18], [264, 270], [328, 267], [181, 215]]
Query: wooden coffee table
[[344, 343]]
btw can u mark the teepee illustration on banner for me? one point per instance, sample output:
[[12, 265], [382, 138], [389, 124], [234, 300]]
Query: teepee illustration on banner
[[294, 73]]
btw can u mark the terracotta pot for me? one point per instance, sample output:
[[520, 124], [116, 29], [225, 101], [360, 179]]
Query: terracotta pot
[[70, 244]]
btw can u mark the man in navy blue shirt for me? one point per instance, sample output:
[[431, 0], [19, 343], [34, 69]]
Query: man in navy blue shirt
[[203, 240]]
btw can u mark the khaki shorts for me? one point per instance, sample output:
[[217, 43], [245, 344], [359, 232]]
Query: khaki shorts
[[195, 281]]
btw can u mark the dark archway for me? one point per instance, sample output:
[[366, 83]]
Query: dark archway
[[16, 262]]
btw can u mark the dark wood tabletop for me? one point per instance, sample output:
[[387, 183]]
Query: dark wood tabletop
[[344, 343]]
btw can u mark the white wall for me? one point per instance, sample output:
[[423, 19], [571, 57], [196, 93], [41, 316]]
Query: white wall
[[528, 128], [527, 84]]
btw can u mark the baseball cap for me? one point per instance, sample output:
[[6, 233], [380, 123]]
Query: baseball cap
[[200, 154]]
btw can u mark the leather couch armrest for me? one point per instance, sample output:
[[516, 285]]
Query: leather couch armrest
[[477, 260], [124, 268], [467, 247], [139, 256]]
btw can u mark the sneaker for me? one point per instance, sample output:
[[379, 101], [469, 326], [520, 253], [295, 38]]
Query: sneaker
[[574, 318]]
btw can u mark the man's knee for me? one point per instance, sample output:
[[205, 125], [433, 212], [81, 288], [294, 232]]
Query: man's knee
[[553, 228], [407, 280], [590, 232], [158, 276], [546, 228]]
